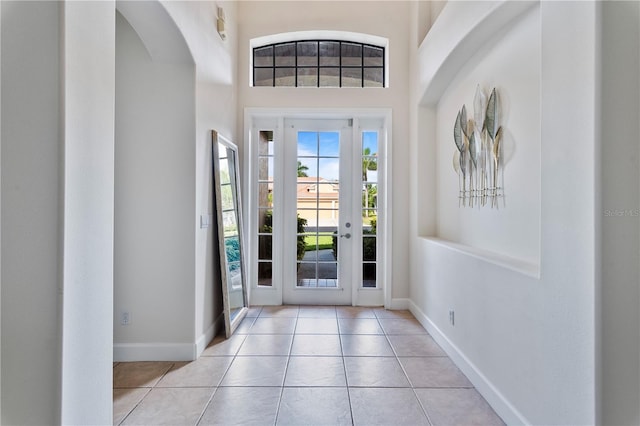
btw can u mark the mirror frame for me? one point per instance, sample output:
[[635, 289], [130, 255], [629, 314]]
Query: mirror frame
[[230, 323]]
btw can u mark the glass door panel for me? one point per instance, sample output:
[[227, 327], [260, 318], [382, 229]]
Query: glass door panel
[[369, 208], [320, 152], [265, 207], [317, 201]]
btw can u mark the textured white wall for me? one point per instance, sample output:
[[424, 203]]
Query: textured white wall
[[387, 19], [31, 216], [530, 343]]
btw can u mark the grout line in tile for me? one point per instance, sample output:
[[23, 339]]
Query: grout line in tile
[[136, 406], [424, 409], [346, 377], [204, 410]]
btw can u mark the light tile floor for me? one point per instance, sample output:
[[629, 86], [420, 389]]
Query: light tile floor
[[306, 365]]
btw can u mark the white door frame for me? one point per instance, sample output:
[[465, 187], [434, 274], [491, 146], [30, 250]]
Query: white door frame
[[256, 119]]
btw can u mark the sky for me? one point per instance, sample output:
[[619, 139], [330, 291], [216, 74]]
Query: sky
[[326, 145]]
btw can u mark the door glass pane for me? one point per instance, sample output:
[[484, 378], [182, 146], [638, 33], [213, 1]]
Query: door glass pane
[[265, 207], [318, 207], [265, 243], [329, 144], [265, 145], [307, 216], [265, 195], [369, 143], [265, 273], [328, 172], [369, 207], [265, 168], [307, 144], [369, 275]]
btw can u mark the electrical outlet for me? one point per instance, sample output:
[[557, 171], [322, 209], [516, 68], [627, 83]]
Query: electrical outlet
[[125, 318], [452, 317]]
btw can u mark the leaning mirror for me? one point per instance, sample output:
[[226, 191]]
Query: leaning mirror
[[229, 218]]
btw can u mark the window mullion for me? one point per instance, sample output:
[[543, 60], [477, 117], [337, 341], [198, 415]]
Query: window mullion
[[273, 63], [340, 66], [362, 66]]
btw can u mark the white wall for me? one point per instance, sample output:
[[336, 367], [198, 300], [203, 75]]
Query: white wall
[[154, 199], [620, 211], [528, 344], [216, 104], [385, 19], [57, 107], [88, 117], [163, 101], [31, 216]]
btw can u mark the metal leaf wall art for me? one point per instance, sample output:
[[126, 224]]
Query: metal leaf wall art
[[477, 160]]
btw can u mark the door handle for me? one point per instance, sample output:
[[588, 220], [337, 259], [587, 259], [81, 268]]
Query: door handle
[[347, 235]]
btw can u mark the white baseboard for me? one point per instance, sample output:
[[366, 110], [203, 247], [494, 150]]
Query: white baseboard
[[397, 304], [494, 397], [127, 352]]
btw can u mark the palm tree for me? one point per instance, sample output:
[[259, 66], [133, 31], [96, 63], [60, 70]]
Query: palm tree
[[369, 163], [302, 170]]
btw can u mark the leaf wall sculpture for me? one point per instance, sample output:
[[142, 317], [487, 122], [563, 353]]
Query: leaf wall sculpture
[[490, 122], [457, 133], [479, 143], [473, 149], [463, 120]]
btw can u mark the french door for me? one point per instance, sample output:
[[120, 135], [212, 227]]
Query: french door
[[318, 212], [317, 217]]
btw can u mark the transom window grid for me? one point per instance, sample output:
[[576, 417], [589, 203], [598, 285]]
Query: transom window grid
[[319, 63]]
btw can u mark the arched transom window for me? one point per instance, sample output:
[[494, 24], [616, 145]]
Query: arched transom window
[[319, 63]]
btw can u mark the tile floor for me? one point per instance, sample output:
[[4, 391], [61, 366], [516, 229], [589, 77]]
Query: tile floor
[[307, 365]]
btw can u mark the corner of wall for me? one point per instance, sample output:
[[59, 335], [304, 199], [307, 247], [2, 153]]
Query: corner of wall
[[617, 211]]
